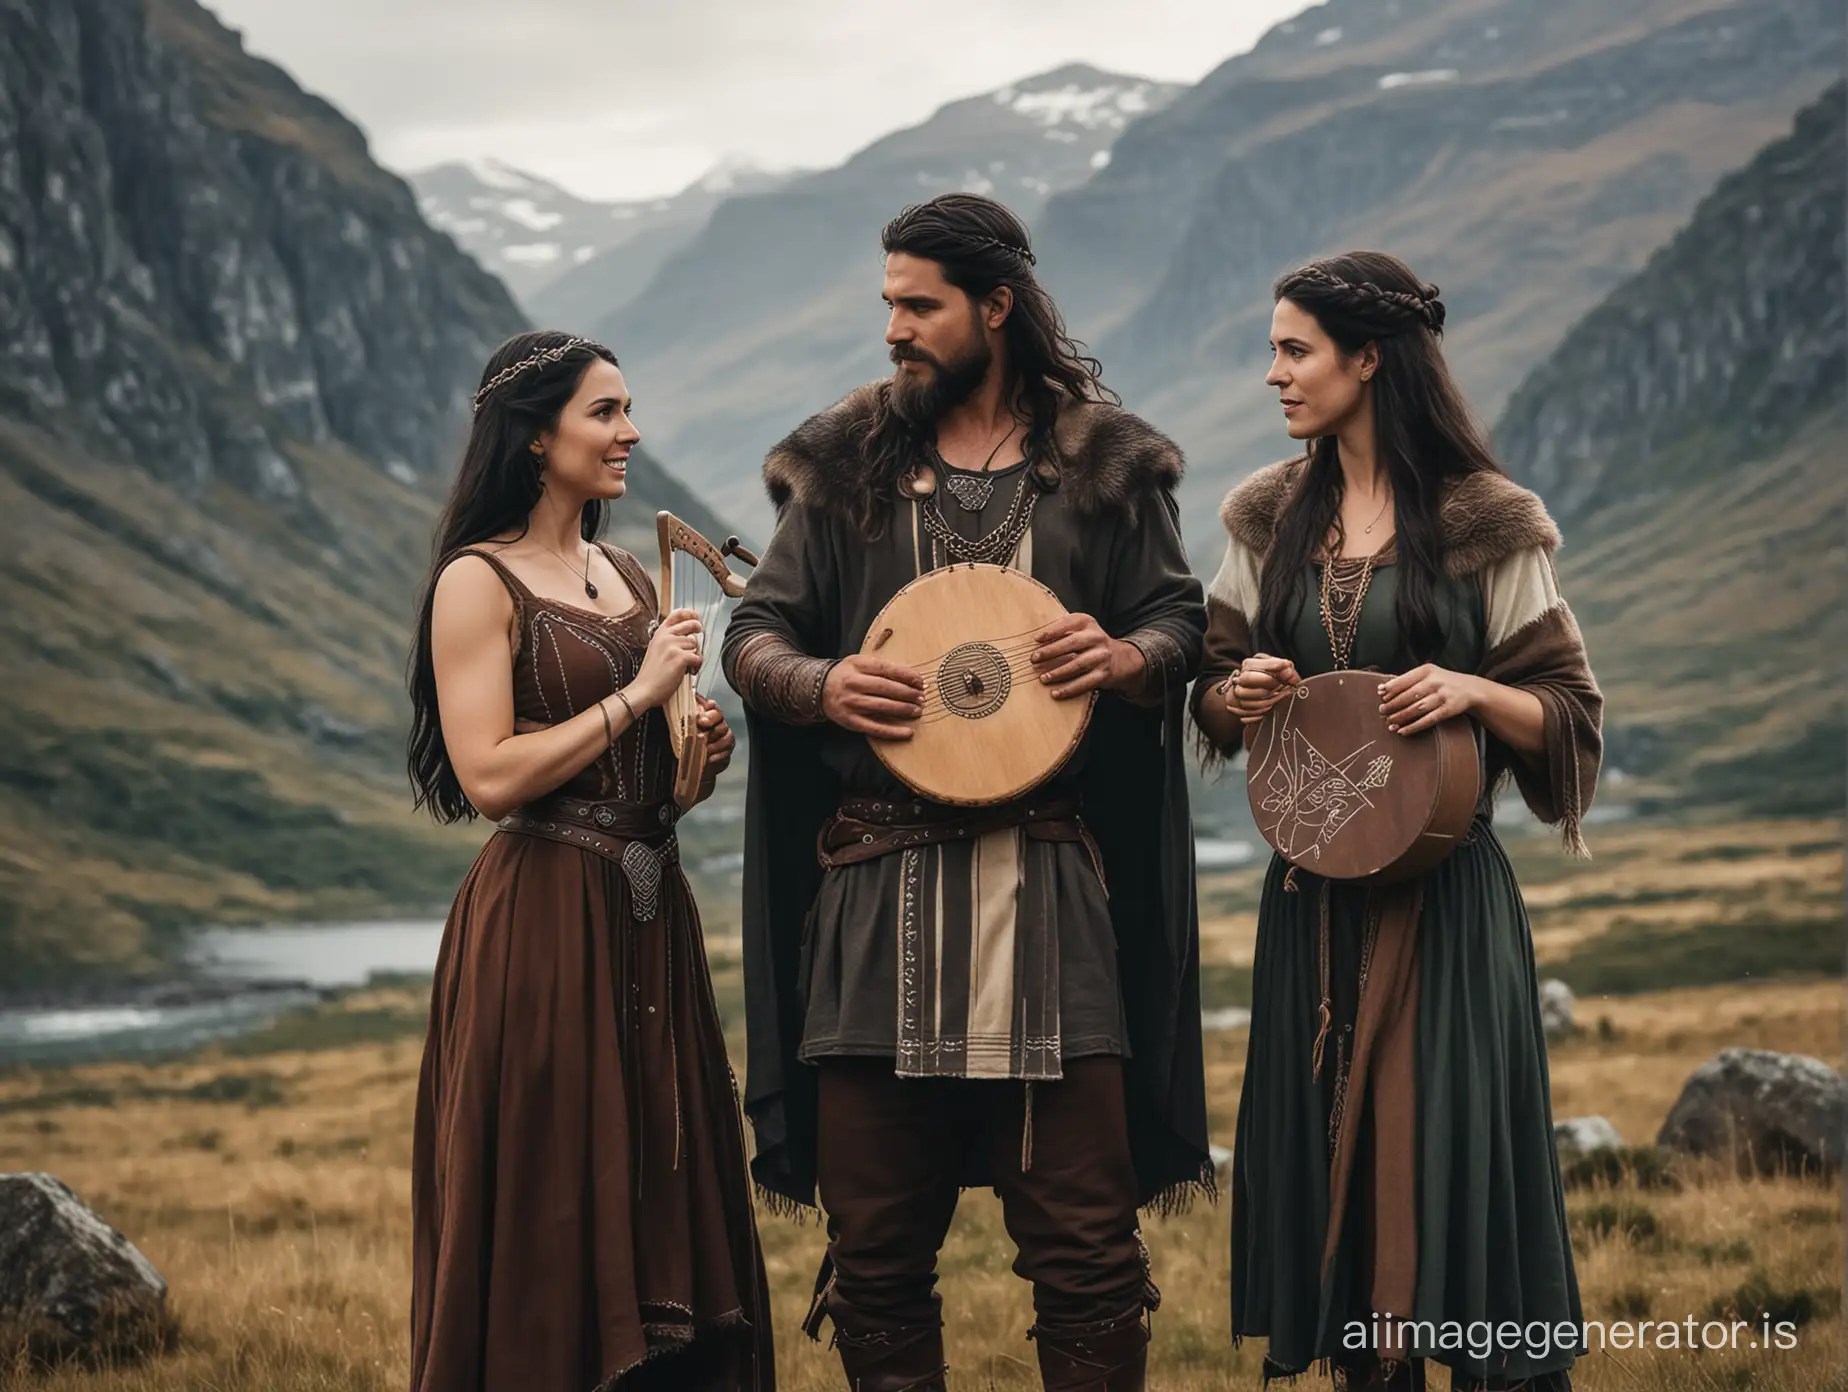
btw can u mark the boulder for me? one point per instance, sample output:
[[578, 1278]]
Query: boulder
[[1556, 1002], [1766, 1111], [1576, 1137], [71, 1286]]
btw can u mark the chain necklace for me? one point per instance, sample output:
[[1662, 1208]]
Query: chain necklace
[[995, 545], [1343, 596]]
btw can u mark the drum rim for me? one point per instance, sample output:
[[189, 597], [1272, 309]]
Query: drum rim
[[1078, 732]]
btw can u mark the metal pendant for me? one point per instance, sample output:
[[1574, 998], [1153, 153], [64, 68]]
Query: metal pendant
[[971, 494], [641, 865]]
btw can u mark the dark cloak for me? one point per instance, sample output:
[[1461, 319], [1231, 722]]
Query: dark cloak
[[1134, 788]]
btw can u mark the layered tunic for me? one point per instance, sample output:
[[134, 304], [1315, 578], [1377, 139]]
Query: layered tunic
[[986, 957], [581, 1208], [1413, 1171], [999, 954]]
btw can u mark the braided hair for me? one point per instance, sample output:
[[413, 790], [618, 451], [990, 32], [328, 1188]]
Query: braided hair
[[1425, 435], [981, 245]]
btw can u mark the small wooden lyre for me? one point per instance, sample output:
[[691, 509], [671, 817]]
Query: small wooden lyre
[[694, 575]]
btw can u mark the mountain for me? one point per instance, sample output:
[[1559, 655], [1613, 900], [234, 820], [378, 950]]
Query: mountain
[[773, 309], [1689, 436], [1525, 157], [235, 370], [557, 252]]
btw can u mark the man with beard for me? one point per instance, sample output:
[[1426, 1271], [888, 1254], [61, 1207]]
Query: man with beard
[[1051, 1050]]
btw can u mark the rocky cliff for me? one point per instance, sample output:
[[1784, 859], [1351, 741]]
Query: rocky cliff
[[1689, 434], [235, 367]]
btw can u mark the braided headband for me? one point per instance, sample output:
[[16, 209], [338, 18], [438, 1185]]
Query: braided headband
[[1010, 249], [543, 358], [1424, 306]]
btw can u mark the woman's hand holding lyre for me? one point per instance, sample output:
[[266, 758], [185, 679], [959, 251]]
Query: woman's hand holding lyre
[[672, 653], [1259, 683], [872, 696], [720, 741]]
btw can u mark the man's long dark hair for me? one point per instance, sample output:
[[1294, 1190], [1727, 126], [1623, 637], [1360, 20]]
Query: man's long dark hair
[[981, 246], [1424, 431], [496, 489]]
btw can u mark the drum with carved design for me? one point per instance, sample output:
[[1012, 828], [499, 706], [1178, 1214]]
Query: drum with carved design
[[1337, 793]]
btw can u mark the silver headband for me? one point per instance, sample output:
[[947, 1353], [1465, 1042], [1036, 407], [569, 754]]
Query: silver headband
[[543, 358]]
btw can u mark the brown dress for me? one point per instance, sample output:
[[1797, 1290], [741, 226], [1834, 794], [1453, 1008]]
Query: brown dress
[[581, 1211]]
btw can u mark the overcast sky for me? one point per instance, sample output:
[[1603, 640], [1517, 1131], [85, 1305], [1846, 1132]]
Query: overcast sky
[[635, 98]]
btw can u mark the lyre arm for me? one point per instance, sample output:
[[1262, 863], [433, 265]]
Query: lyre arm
[[675, 535]]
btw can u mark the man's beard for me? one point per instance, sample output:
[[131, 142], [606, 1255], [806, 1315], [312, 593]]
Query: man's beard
[[944, 387]]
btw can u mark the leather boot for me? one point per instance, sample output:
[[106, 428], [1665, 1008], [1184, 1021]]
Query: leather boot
[[907, 1359], [1109, 1356], [1373, 1374]]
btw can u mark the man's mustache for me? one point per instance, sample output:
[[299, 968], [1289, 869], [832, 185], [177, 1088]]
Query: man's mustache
[[908, 352]]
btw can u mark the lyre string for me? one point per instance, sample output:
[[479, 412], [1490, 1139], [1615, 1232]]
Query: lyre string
[[696, 588], [1007, 643]]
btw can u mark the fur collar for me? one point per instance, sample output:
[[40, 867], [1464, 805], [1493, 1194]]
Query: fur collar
[[1108, 458], [1483, 517]]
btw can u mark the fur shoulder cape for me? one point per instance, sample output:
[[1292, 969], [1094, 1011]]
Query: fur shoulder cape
[[1483, 518], [1107, 457]]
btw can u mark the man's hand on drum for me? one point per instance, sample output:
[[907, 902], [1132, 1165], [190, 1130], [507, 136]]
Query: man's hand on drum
[[1426, 696], [1075, 656], [1259, 683], [872, 696]]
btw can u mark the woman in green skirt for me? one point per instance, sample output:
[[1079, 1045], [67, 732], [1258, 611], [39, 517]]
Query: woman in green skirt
[[1395, 1194]]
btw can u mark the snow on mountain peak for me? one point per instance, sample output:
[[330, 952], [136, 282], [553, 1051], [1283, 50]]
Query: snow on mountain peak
[[496, 175], [528, 214], [1111, 106]]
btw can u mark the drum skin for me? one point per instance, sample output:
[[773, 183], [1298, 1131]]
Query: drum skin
[[990, 731], [1337, 793]]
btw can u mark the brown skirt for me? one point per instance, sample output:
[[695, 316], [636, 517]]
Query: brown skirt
[[580, 1208]]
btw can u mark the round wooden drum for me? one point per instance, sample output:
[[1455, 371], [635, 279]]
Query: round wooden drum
[[1337, 793], [990, 731]]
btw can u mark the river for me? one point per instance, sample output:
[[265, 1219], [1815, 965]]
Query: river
[[242, 978]]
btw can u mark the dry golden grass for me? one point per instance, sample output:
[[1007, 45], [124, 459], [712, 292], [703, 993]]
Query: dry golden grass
[[282, 1221], [1750, 873], [280, 1217]]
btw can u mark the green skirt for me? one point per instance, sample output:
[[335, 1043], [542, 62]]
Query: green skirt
[[1492, 1235]]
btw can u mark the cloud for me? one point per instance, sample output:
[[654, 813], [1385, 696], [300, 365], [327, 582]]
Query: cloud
[[630, 99]]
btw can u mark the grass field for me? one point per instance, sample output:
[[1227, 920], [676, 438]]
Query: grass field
[[271, 1185]]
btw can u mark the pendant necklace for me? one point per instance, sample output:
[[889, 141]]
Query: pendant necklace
[[994, 546], [973, 494], [590, 590], [1368, 529]]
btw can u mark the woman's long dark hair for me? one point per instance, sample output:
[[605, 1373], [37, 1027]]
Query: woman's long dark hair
[[1424, 431], [496, 489], [981, 246]]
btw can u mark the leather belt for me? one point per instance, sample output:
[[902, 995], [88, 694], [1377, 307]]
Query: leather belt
[[606, 827], [866, 828]]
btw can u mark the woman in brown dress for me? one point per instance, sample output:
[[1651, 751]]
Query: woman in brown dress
[[581, 1212]]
